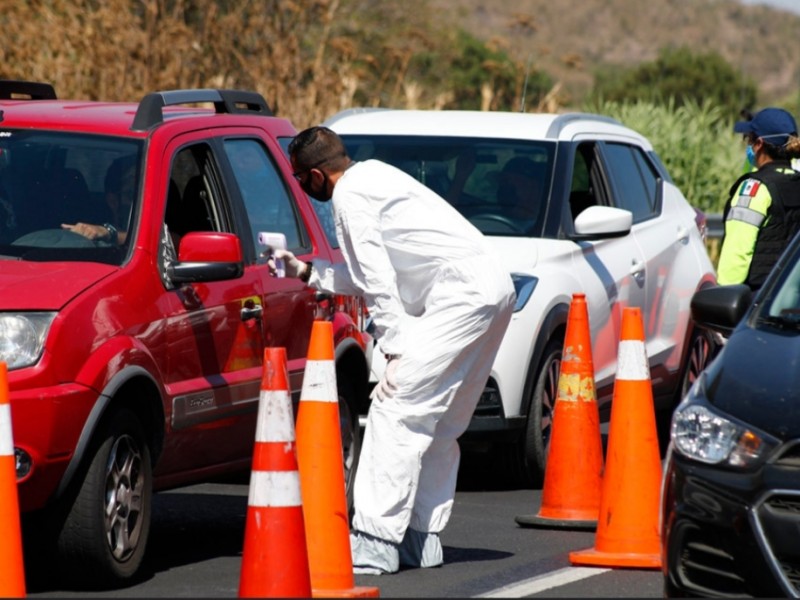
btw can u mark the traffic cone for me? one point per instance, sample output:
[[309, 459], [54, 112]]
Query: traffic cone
[[320, 459], [572, 479], [245, 350], [627, 530], [275, 558], [12, 570]]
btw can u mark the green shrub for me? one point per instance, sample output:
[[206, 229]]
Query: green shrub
[[682, 76]]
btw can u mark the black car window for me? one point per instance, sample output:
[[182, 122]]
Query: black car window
[[782, 299], [636, 180], [581, 193], [193, 204], [270, 206]]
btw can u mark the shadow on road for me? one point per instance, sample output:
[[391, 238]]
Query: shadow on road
[[187, 528], [471, 555]]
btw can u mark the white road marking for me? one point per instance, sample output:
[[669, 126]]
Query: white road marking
[[534, 585]]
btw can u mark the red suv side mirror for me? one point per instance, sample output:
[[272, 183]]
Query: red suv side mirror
[[207, 256]]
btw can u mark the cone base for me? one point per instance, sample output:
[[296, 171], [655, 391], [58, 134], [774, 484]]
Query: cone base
[[593, 558], [538, 520], [13, 591], [354, 592]]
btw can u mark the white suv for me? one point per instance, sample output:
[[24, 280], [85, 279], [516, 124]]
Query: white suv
[[574, 203]]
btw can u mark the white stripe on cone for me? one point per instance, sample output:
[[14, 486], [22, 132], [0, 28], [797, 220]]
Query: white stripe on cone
[[274, 489], [6, 440], [319, 381], [632, 361], [277, 424]]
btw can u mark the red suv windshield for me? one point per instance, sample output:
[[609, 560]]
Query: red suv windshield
[[51, 181]]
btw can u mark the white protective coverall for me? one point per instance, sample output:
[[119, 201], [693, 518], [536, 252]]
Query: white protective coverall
[[440, 299]]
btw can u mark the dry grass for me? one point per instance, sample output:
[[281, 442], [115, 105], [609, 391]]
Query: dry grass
[[122, 49]]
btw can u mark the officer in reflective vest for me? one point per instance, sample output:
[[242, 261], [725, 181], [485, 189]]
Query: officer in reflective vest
[[763, 211]]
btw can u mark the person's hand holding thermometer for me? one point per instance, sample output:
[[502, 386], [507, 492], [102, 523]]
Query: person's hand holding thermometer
[[273, 241]]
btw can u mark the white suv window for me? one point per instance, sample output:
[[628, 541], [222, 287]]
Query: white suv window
[[635, 178], [501, 186]]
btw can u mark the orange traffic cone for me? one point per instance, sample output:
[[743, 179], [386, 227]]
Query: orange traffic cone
[[12, 571], [320, 459], [275, 559], [627, 530], [572, 479]]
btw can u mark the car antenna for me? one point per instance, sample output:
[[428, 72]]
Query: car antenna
[[525, 85]]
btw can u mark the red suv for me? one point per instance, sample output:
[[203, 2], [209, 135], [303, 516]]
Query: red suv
[[136, 302]]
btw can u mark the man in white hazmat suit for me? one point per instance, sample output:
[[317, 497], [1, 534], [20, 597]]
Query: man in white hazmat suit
[[441, 302]]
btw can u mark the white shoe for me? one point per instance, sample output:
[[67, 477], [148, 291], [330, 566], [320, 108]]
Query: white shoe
[[372, 555]]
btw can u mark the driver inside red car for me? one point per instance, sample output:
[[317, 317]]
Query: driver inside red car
[[120, 188]]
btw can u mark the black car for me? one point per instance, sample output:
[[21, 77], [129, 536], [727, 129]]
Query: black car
[[730, 522]]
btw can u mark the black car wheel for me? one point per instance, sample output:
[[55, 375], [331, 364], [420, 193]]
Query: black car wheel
[[523, 461], [104, 534], [351, 433], [540, 413], [702, 349]]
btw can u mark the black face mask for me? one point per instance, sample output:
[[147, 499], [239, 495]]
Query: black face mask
[[323, 195]]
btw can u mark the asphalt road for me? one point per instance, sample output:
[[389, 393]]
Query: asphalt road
[[198, 531]]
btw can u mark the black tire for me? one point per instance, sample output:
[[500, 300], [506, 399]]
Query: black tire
[[701, 351], [540, 413], [523, 461], [351, 433], [105, 529]]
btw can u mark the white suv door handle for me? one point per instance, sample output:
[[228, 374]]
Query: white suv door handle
[[637, 267], [683, 234]]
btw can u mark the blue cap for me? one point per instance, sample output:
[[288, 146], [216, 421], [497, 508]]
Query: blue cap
[[774, 125]]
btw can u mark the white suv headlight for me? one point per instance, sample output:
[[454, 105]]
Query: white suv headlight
[[701, 433], [22, 337]]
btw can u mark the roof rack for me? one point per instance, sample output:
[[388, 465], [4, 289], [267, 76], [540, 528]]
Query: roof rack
[[11, 89], [150, 114], [353, 111], [565, 119]]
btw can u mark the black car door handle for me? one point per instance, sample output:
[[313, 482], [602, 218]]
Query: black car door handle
[[252, 312]]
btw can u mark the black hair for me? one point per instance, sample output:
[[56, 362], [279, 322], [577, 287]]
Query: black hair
[[316, 146]]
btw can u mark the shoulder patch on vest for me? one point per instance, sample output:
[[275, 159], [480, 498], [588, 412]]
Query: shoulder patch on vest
[[750, 187]]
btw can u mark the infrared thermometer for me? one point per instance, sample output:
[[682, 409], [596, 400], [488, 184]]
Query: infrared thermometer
[[274, 241]]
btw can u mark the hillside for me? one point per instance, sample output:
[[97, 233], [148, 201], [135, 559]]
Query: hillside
[[569, 39]]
